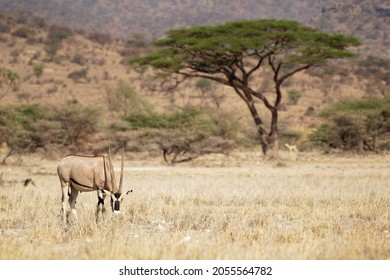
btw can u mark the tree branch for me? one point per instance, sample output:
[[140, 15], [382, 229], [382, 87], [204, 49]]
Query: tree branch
[[307, 66], [250, 72], [177, 83]]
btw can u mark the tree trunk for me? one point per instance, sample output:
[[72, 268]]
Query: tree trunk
[[268, 140], [259, 124], [273, 138]]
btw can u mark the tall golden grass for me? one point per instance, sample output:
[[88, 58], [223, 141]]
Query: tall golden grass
[[322, 209]]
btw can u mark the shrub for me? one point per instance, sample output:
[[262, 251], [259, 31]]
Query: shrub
[[293, 96], [178, 147], [374, 67], [28, 127], [52, 49], [39, 22], [58, 33], [138, 40], [79, 59], [125, 100], [78, 75], [17, 125], [38, 69], [101, 38], [356, 125], [4, 27], [188, 133], [23, 32], [183, 119], [55, 36], [78, 124], [357, 107], [9, 77], [310, 111], [203, 85]]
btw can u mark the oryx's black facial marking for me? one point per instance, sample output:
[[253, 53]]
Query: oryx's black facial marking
[[116, 205], [116, 201], [117, 195]]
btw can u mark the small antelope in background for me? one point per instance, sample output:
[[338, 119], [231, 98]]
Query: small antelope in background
[[291, 148], [79, 173]]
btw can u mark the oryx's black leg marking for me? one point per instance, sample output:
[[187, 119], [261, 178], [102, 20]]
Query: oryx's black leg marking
[[100, 205], [100, 200]]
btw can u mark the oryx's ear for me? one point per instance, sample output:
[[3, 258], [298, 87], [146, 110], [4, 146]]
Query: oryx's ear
[[124, 194]]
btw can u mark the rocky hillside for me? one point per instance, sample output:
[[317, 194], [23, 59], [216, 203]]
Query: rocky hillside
[[58, 66], [366, 19], [123, 18]]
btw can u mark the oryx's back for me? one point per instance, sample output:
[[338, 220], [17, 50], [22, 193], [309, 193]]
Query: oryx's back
[[86, 171]]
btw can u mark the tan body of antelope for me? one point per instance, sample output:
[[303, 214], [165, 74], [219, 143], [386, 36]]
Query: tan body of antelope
[[292, 148], [90, 173]]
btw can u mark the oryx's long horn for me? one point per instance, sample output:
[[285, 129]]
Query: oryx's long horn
[[121, 178], [112, 174]]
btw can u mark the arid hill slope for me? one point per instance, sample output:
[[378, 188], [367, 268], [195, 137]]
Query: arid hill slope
[[366, 19]]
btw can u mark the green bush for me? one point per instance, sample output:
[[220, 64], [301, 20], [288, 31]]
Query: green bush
[[357, 107], [191, 120], [376, 62], [17, 125], [38, 69], [28, 127], [58, 33], [8, 75], [203, 85], [293, 96], [355, 125], [124, 99], [185, 118]]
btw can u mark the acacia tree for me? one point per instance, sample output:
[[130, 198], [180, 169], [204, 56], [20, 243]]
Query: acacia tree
[[233, 53], [8, 79]]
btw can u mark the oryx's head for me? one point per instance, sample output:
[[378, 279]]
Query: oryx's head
[[116, 199], [116, 195]]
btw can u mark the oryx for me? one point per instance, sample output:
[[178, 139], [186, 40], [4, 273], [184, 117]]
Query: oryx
[[78, 173]]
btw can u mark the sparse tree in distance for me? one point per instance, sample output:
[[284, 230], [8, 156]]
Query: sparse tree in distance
[[38, 69], [232, 54], [8, 79], [207, 91]]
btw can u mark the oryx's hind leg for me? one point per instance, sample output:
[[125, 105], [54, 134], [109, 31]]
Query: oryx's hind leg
[[64, 188], [100, 205]]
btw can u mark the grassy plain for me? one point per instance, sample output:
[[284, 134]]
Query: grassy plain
[[233, 207]]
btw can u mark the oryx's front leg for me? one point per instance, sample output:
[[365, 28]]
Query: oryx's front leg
[[100, 205], [72, 201]]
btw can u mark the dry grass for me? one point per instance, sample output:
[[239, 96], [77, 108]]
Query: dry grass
[[328, 208]]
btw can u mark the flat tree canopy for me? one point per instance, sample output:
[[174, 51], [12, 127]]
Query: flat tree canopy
[[232, 53]]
